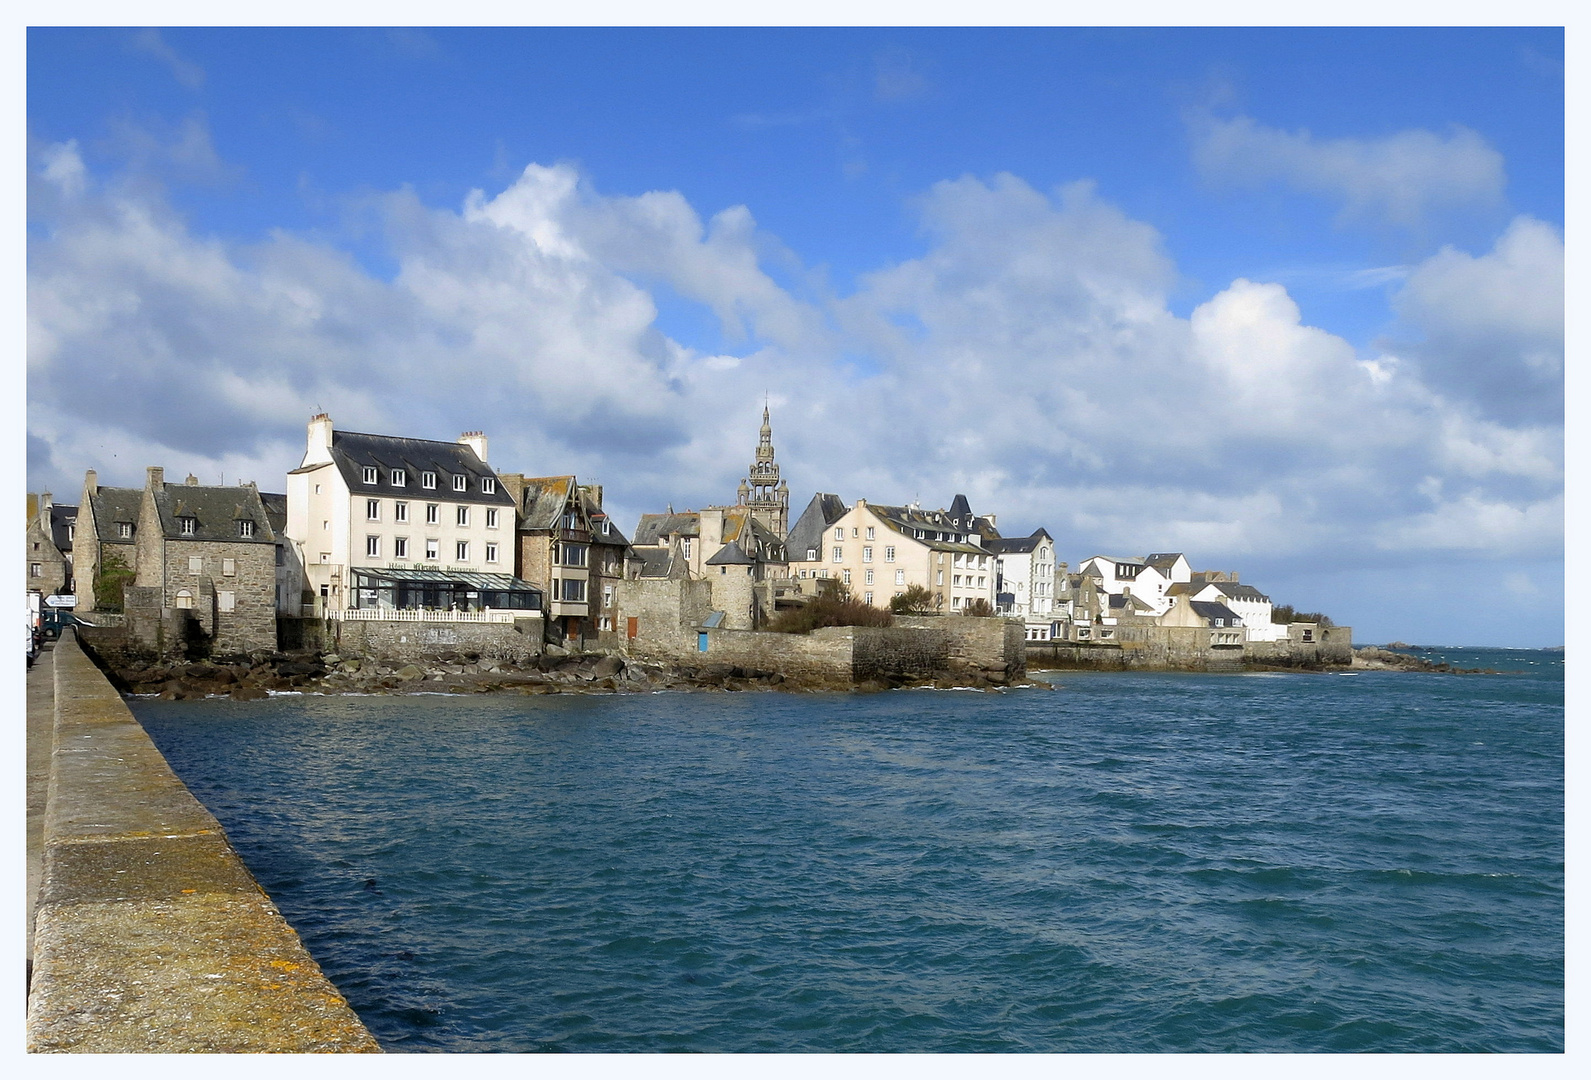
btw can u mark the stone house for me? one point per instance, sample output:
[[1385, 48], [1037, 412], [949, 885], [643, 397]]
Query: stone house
[[206, 568], [107, 527], [50, 539], [878, 551], [564, 538]]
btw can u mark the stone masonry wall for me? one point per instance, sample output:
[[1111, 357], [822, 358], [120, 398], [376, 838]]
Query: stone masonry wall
[[414, 642], [251, 625], [1187, 648]]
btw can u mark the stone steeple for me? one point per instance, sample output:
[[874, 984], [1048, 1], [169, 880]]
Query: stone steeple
[[762, 490]]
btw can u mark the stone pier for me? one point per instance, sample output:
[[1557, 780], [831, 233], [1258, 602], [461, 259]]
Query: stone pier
[[147, 933]]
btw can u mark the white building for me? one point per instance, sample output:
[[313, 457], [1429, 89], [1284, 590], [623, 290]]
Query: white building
[[1025, 580], [1245, 601], [387, 522]]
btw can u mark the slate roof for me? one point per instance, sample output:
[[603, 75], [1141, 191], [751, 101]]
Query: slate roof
[[1163, 560], [216, 513], [60, 518], [1234, 591], [731, 555], [353, 451], [543, 501], [655, 561], [807, 533], [1211, 610], [931, 523], [275, 511], [1017, 544], [653, 527], [112, 505]]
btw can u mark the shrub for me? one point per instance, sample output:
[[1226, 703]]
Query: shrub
[[833, 606], [979, 608], [110, 578], [1282, 614], [916, 600]]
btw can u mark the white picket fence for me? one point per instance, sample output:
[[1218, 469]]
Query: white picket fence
[[419, 615]]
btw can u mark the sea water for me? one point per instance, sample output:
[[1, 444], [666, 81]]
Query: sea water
[[1130, 862]]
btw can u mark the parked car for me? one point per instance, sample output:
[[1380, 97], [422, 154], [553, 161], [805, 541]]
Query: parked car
[[53, 620]]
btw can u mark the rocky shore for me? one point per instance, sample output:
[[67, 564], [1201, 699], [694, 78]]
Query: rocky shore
[[1372, 658], [252, 677]]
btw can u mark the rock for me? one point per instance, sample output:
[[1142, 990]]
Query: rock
[[331, 659], [410, 671], [351, 666], [247, 693], [608, 665], [555, 650]]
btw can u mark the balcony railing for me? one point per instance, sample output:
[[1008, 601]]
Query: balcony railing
[[421, 615]]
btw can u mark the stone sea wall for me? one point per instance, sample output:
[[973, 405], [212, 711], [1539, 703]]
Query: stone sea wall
[[150, 934], [1188, 648]]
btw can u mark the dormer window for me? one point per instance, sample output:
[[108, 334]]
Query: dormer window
[[428, 479], [400, 478], [370, 474], [124, 529], [185, 526], [245, 529], [488, 485], [461, 483]]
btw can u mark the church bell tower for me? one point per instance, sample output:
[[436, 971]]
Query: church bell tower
[[767, 496]]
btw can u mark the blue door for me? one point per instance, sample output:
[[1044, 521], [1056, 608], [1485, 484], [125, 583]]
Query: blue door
[[701, 641]]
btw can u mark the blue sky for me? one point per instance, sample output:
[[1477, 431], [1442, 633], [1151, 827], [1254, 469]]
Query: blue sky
[[1289, 300]]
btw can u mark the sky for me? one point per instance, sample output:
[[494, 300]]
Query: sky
[[1289, 301]]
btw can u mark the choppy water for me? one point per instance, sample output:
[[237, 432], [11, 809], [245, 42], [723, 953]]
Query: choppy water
[[1135, 862]]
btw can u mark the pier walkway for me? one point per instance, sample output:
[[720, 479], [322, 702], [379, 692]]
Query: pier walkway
[[146, 932]]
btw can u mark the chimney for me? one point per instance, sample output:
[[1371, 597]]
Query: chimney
[[45, 502], [157, 477], [476, 441], [91, 482], [319, 449], [192, 480]]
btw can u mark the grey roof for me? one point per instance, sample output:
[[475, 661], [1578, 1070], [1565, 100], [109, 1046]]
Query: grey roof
[[807, 533], [496, 582], [655, 561], [961, 510], [275, 511], [1017, 544], [113, 505], [1163, 560], [1212, 610], [1235, 591], [543, 501], [216, 513], [653, 527], [61, 517], [353, 451], [931, 523], [1128, 560], [731, 555]]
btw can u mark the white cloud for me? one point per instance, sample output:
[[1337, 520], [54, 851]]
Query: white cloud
[[1027, 358], [1493, 325], [1401, 178], [189, 74]]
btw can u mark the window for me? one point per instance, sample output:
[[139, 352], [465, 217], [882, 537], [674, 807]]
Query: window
[[229, 567], [195, 564], [574, 555], [281, 555], [71, 533], [867, 578], [432, 513], [491, 517], [491, 552], [373, 546], [370, 474], [400, 547], [685, 547], [812, 554], [981, 581], [225, 601], [184, 599], [900, 577], [462, 514], [846, 576], [605, 622], [488, 485], [574, 590], [372, 509], [317, 489], [461, 551], [185, 526], [854, 532], [124, 529], [955, 601], [35, 570], [399, 478], [246, 528], [867, 598], [889, 553], [571, 520], [956, 580], [607, 596], [839, 553], [461, 483], [870, 532], [867, 554], [400, 511], [428, 479], [433, 549], [939, 578]]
